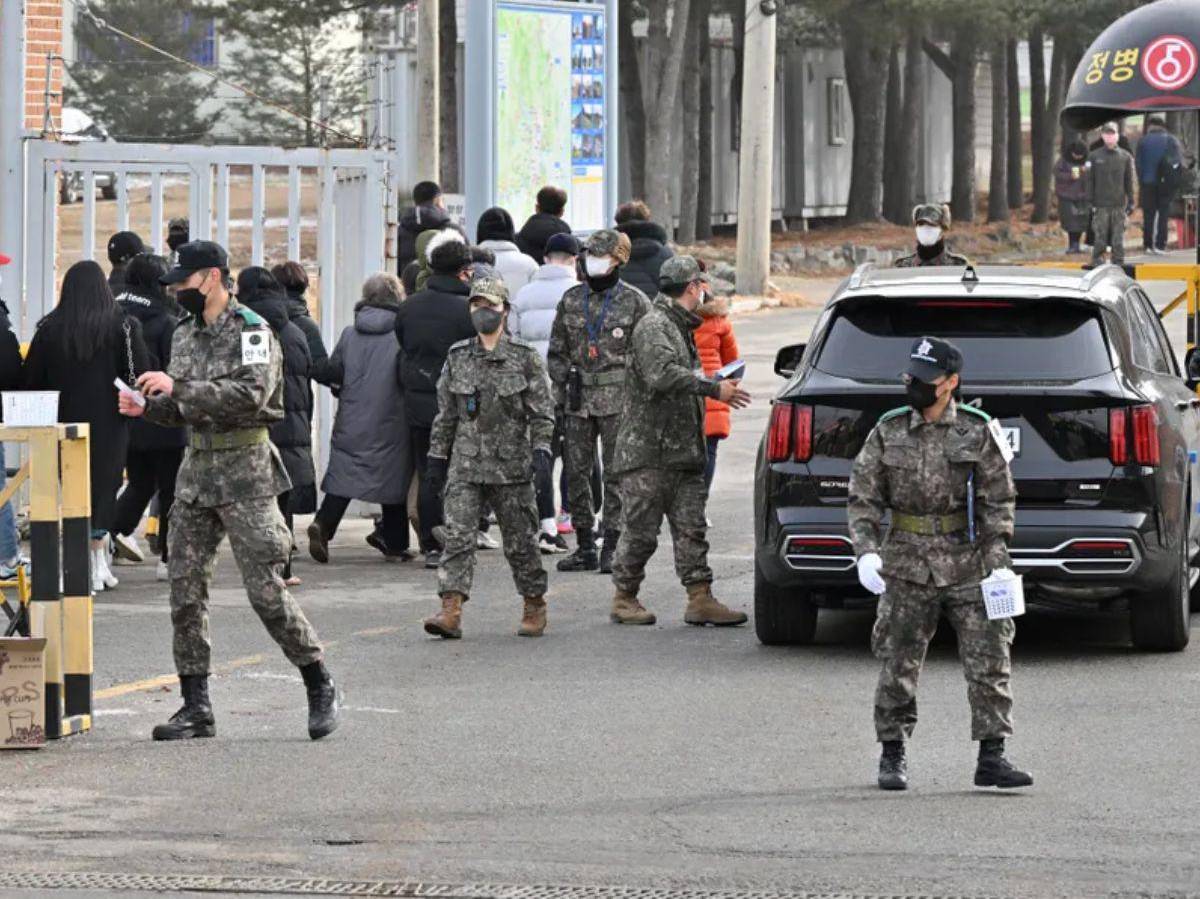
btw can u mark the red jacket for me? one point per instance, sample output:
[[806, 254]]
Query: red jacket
[[717, 346]]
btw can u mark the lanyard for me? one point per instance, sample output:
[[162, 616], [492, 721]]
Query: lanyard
[[595, 328]]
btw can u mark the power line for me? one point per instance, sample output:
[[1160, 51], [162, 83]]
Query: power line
[[105, 26]]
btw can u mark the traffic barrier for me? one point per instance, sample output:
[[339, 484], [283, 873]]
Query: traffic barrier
[[59, 545]]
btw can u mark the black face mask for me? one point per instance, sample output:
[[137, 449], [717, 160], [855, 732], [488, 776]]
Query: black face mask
[[921, 394], [191, 300], [486, 321]]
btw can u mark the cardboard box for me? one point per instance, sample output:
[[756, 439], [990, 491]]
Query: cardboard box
[[22, 693]]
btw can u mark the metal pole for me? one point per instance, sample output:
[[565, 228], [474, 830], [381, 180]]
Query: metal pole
[[755, 163], [12, 150], [429, 104]]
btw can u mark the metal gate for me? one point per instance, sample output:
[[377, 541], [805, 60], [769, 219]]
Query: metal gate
[[353, 214]]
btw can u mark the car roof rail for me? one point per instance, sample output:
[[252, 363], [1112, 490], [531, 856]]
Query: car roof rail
[[861, 275], [970, 276], [1091, 278]]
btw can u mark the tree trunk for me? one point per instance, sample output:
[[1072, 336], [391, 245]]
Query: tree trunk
[[737, 16], [704, 180], [1047, 140], [1037, 121], [448, 94], [963, 54], [998, 180], [664, 65], [1016, 133], [866, 79], [633, 111], [689, 145], [912, 116], [893, 139]]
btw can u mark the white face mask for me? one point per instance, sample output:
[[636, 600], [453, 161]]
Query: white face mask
[[598, 266], [928, 235]]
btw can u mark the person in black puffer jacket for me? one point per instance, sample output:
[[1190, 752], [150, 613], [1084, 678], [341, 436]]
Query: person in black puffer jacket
[[544, 223], [650, 248], [258, 290], [294, 279], [155, 452], [427, 324]]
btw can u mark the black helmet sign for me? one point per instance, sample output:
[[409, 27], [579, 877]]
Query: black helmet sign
[[1146, 61]]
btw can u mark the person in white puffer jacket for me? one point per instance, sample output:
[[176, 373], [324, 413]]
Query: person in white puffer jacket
[[530, 319], [496, 232]]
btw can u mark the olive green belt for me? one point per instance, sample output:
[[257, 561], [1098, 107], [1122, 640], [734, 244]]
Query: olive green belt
[[929, 525], [602, 378], [229, 440]]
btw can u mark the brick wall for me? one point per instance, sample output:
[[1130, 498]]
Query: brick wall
[[43, 33]]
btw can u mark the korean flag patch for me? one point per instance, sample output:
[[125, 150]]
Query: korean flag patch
[[256, 347], [1001, 441]]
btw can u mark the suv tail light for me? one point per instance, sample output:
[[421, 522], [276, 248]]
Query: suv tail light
[[1145, 435], [790, 433], [1144, 420]]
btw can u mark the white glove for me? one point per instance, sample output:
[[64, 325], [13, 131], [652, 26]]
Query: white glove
[[868, 573], [1002, 574]]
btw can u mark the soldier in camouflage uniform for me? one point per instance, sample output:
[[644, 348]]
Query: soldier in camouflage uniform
[[589, 342], [661, 450], [494, 415], [928, 464], [225, 383], [931, 223]]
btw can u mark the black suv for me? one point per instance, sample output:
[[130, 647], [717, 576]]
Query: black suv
[[1081, 376]]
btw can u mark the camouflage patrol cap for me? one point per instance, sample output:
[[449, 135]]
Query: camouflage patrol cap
[[607, 242], [680, 270], [491, 288], [932, 214]]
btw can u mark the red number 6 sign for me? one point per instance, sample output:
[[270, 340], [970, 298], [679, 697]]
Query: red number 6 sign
[[1170, 62]]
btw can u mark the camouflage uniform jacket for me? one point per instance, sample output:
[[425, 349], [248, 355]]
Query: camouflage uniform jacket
[[494, 410], [912, 466], [578, 310], [216, 391], [914, 260], [663, 421]]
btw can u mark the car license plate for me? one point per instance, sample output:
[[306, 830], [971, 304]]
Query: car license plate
[[1013, 436]]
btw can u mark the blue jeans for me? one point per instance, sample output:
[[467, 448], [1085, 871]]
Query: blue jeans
[[10, 541], [710, 464]]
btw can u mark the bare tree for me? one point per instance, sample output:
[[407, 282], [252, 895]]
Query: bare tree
[[633, 110], [665, 46], [689, 149], [448, 94], [866, 59], [893, 136], [1016, 134], [964, 55], [704, 182], [998, 179]]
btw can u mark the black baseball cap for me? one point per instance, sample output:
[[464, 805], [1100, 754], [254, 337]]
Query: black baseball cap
[[931, 358], [562, 243], [124, 245], [195, 256]]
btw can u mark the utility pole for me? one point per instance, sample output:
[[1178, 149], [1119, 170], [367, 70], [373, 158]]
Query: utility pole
[[755, 163], [428, 99], [12, 150]]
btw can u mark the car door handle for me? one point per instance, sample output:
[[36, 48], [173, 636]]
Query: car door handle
[[1188, 404]]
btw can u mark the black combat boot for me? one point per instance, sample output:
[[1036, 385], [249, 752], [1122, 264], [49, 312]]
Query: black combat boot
[[994, 770], [322, 700], [584, 558], [608, 550], [893, 767], [195, 719]]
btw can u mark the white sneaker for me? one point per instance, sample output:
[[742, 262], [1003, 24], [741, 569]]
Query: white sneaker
[[106, 575], [484, 540], [97, 577], [125, 546], [161, 573]]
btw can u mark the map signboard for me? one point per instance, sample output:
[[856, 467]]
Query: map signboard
[[547, 98]]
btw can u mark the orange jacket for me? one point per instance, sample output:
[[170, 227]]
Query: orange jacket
[[717, 347]]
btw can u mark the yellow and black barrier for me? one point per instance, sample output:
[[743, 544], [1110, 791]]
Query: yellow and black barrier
[[60, 519]]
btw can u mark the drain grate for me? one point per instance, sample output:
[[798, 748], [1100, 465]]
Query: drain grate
[[291, 886]]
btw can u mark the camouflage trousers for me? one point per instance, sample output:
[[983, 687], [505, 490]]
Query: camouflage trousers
[[1108, 226], [905, 622], [516, 513], [648, 494], [261, 543], [578, 457]]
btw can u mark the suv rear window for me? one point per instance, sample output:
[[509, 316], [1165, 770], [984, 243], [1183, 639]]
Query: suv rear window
[[870, 340]]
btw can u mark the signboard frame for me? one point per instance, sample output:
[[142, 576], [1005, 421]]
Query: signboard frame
[[480, 157]]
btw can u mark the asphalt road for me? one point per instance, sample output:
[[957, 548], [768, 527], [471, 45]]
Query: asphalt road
[[666, 757]]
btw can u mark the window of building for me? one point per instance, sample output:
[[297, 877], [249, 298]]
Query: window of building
[[836, 93]]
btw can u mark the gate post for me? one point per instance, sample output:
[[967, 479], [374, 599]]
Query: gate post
[[12, 151]]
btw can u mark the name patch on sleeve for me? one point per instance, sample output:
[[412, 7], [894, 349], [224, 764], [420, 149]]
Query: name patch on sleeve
[[256, 347], [1001, 441]]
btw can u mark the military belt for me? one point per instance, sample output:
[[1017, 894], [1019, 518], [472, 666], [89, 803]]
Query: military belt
[[602, 378], [229, 440], [929, 525]]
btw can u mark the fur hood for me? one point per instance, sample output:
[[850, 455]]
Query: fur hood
[[715, 307]]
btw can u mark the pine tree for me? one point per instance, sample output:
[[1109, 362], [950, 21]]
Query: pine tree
[[137, 94]]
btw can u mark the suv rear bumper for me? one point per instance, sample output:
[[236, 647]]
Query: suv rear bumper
[[1073, 555]]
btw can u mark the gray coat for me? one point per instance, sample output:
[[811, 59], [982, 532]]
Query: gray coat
[[369, 456]]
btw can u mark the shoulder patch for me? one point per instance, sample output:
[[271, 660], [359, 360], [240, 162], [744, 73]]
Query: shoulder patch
[[894, 413], [971, 410], [461, 345], [250, 317]]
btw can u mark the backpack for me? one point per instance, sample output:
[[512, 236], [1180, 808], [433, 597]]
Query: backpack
[[1170, 168]]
